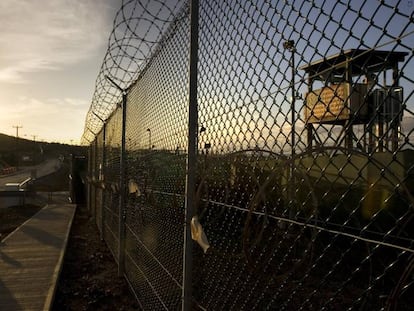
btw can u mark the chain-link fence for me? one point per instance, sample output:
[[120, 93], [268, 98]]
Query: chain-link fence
[[301, 196]]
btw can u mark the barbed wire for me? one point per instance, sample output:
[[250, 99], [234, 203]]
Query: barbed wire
[[139, 27]]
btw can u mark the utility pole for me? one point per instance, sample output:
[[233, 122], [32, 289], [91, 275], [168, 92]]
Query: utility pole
[[17, 127], [34, 137]]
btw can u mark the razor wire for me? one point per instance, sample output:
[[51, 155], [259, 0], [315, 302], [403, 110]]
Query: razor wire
[[137, 30], [306, 159]]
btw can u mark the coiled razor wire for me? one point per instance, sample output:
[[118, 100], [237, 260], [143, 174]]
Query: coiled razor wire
[[138, 29]]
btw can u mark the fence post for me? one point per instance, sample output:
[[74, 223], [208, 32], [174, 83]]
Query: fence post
[[122, 184], [95, 171], [122, 192], [89, 196], [191, 159], [102, 222]]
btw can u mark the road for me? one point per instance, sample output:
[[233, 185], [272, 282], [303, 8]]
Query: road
[[43, 169]]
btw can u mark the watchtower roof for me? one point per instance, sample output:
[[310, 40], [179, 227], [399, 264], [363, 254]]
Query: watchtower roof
[[361, 62]]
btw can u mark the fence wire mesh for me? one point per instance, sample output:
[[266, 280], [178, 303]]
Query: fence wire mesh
[[155, 127], [305, 167]]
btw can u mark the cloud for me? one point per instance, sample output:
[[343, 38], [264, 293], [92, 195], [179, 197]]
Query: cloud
[[51, 119], [47, 34]]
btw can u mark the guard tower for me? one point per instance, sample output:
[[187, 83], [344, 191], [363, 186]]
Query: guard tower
[[352, 95]]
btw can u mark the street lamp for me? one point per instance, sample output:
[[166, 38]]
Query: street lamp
[[290, 46], [149, 138]]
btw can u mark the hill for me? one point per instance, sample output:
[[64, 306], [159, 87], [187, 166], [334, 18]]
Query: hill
[[19, 151]]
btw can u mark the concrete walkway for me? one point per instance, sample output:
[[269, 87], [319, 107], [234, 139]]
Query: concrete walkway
[[45, 168], [31, 258]]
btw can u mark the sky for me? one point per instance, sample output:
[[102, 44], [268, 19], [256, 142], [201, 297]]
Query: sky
[[50, 55]]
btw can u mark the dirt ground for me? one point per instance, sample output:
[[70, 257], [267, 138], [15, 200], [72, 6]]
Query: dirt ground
[[14, 216], [89, 278]]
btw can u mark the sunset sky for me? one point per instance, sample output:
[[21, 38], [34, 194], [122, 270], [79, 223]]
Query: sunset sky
[[50, 54]]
